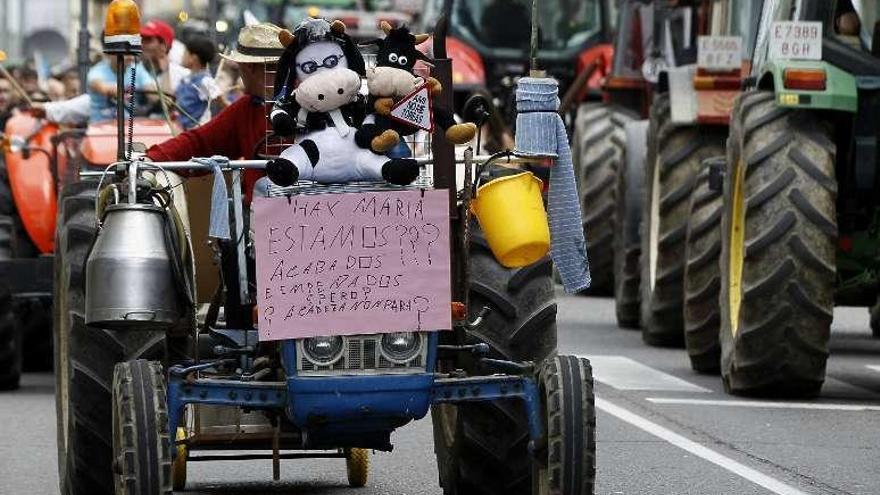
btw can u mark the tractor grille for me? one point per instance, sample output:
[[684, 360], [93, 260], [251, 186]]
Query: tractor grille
[[361, 356]]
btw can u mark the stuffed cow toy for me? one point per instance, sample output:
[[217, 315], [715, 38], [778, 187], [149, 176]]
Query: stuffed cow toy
[[390, 81], [318, 90]]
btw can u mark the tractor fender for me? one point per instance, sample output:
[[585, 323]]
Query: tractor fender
[[840, 93], [636, 152], [602, 56], [682, 95], [31, 179]]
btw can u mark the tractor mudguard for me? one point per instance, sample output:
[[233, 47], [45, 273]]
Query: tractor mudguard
[[31, 179], [840, 91], [99, 145]]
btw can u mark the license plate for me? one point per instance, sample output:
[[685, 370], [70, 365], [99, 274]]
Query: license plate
[[719, 52], [796, 40]]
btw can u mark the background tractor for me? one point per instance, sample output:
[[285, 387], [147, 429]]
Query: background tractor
[[689, 123], [609, 143], [800, 194], [489, 46], [40, 159]]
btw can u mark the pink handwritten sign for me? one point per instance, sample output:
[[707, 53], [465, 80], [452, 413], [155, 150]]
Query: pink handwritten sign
[[355, 263]]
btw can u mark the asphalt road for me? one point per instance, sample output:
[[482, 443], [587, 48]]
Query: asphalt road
[[661, 428]]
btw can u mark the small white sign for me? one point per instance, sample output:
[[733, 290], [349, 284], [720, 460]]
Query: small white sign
[[719, 52], [796, 40], [415, 109]]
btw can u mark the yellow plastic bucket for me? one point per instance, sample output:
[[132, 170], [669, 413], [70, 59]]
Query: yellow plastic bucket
[[511, 213]]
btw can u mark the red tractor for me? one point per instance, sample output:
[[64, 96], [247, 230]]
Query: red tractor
[[40, 158], [488, 42]]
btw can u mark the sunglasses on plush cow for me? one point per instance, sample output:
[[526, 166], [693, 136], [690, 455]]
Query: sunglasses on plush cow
[[311, 66]]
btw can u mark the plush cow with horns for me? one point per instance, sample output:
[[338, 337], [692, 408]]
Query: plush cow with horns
[[391, 80]]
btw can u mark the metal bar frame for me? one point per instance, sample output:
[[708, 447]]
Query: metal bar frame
[[274, 395]]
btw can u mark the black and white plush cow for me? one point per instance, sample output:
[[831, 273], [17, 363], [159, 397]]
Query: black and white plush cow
[[330, 154], [315, 46], [390, 81]]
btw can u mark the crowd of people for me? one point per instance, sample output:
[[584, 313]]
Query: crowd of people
[[181, 80]]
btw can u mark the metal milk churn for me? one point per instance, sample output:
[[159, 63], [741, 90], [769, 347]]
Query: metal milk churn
[[130, 282]]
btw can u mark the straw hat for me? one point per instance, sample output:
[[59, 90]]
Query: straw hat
[[257, 44]]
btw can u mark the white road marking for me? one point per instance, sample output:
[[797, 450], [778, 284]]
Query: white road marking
[[873, 367], [765, 404], [623, 373], [698, 450]]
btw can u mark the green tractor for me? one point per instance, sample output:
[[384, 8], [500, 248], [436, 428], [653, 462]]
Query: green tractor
[[801, 212]]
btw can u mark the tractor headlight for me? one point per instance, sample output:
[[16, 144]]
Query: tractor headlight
[[323, 351], [400, 347]]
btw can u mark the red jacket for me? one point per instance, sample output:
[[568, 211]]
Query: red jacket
[[233, 133]]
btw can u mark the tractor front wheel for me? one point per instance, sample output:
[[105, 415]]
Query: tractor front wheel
[[567, 463], [141, 443]]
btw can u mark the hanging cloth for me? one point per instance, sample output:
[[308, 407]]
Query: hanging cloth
[[540, 132]]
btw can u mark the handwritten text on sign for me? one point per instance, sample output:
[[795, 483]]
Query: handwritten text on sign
[[342, 264]]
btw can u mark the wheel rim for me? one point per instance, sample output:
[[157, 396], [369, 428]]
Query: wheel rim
[[654, 225], [735, 256], [178, 471]]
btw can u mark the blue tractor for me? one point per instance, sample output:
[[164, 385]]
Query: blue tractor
[[147, 377]]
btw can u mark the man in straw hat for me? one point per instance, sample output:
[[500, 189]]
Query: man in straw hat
[[239, 128]]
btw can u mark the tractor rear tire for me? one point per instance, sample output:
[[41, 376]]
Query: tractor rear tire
[[599, 139], [482, 447], [568, 465], [10, 333], [85, 357], [778, 269], [702, 278], [141, 443], [630, 189], [671, 169]]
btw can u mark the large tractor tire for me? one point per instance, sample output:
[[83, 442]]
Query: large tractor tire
[[630, 187], [567, 466], [141, 443], [10, 333], [599, 142], [482, 447], [671, 169], [778, 265], [702, 277], [85, 357]]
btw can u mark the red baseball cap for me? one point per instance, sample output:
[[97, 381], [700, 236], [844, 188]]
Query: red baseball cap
[[158, 29]]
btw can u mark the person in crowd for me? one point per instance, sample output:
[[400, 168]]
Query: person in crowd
[[238, 130], [102, 86], [198, 89], [157, 38]]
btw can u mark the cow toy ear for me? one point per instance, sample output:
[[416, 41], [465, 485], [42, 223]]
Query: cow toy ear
[[338, 27], [286, 38], [386, 27], [421, 38]]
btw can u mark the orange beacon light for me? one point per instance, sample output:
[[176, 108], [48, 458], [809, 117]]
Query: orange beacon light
[[122, 28]]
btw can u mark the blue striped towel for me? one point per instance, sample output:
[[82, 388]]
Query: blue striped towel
[[540, 132], [219, 219]]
